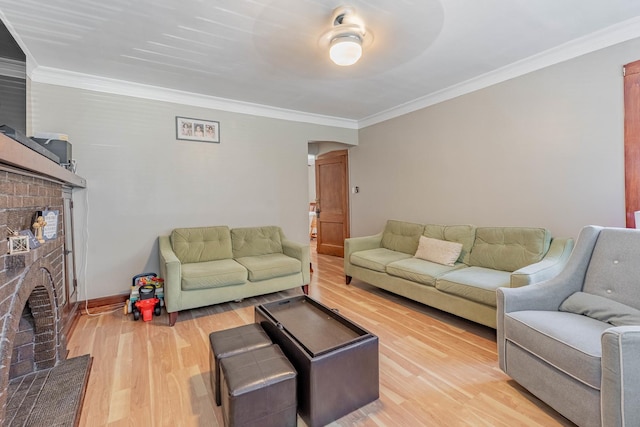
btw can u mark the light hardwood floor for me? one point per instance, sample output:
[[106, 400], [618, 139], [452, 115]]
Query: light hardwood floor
[[435, 369]]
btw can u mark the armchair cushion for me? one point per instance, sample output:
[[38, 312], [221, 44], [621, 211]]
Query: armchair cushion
[[602, 309], [200, 244], [614, 268], [268, 266], [212, 274], [567, 341]]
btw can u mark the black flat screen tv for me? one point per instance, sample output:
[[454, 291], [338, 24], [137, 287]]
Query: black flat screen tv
[[13, 82]]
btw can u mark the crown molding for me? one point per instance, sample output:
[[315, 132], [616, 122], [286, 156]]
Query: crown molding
[[60, 77], [607, 37]]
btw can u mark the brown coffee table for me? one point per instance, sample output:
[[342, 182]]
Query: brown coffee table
[[336, 360]]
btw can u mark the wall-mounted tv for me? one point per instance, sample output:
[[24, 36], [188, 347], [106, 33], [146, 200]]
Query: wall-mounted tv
[[13, 82]]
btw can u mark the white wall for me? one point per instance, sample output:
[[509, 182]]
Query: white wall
[[142, 182], [545, 149]]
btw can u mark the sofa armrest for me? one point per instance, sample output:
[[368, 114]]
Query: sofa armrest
[[620, 390], [171, 272], [355, 244], [553, 262], [300, 252]]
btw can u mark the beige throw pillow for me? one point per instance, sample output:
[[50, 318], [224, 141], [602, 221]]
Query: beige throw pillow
[[439, 251]]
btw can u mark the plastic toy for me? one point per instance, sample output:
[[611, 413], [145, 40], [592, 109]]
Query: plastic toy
[[147, 304], [146, 297]]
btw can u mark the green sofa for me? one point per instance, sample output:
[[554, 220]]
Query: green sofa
[[489, 258], [210, 265]]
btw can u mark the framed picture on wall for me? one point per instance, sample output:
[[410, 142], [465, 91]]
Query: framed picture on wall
[[197, 129]]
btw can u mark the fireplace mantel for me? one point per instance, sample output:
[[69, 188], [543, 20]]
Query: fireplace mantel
[[14, 154]]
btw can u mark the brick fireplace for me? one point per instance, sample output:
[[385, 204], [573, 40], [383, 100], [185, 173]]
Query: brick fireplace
[[35, 311], [31, 284]]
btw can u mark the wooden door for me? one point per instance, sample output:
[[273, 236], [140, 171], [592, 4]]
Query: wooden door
[[332, 202], [632, 140]]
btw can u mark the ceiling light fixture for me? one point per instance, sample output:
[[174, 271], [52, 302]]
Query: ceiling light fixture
[[346, 38]]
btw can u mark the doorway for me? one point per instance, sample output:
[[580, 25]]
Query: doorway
[[331, 172]]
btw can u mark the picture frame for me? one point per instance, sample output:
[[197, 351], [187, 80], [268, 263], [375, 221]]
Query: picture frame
[[190, 129], [50, 231]]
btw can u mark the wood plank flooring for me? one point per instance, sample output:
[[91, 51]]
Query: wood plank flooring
[[435, 369]]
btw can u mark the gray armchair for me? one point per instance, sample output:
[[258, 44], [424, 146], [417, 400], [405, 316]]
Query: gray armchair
[[574, 340]]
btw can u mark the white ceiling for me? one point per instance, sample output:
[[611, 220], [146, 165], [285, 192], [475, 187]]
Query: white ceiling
[[265, 56]]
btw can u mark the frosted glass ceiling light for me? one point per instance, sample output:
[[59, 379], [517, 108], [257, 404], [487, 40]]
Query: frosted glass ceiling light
[[345, 50], [346, 38]]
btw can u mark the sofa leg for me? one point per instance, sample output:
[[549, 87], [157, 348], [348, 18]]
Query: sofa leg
[[347, 279], [173, 317], [305, 289]]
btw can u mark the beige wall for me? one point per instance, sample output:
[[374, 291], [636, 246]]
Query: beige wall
[[142, 182], [545, 149]]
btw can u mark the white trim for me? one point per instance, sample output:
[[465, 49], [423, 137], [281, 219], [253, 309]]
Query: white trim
[[624, 31], [59, 77]]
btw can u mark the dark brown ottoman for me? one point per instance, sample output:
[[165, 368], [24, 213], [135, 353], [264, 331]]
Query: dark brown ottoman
[[258, 389], [233, 341]]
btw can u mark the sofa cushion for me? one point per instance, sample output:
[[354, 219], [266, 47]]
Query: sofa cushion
[[465, 234], [200, 244], [253, 241], [376, 259], [614, 267], [212, 274], [401, 236], [438, 251], [419, 270], [509, 248], [263, 267], [567, 341], [602, 309], [474, 283]]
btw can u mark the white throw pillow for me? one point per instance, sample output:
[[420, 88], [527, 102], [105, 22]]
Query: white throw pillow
[[439, 251]]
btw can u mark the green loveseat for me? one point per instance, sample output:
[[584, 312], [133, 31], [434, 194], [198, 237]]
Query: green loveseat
[[489, 258], [210, 265]]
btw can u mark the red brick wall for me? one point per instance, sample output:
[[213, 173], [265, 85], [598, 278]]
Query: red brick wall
[[32, 280]]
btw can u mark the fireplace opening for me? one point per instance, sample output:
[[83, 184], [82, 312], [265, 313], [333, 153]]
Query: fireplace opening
[[42, 387], [23, 355], [34, 343]]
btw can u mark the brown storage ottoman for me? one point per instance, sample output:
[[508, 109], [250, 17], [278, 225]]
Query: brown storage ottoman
[[258, 389], [233, 341]]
